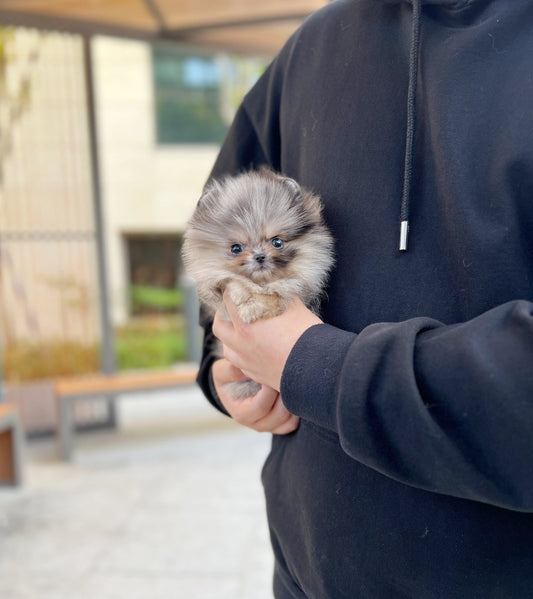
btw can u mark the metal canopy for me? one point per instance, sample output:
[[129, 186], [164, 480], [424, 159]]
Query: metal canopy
[[249, 26]]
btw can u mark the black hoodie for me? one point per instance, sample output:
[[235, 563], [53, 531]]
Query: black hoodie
[[411, 475]]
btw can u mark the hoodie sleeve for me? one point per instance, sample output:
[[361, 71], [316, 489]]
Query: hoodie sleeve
[[448, 409]]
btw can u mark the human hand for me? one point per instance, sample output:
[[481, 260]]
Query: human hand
[[260, 349], [264, 412]]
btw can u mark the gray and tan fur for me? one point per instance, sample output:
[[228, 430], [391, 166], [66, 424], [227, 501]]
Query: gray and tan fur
[[262, 237]]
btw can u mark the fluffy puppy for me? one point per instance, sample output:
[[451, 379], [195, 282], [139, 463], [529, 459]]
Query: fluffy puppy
[[262, 237]]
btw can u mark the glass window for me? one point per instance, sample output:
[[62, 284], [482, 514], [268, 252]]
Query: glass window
[[196, 94], [153, 272]]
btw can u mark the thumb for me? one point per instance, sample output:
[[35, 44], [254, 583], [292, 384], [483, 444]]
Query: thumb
[[231, 307]]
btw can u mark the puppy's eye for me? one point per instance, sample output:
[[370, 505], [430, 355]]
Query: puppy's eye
[[236, 249], [277, 242]]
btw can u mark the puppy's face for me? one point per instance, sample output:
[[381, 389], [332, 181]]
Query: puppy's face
[[259, 225], [262, 258]]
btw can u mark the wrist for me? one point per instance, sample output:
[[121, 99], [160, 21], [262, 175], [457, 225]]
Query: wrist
[[312, 374]]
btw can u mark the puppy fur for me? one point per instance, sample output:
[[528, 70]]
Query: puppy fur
[[262, 237]]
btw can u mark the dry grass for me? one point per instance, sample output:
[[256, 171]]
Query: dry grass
[[147, 342]]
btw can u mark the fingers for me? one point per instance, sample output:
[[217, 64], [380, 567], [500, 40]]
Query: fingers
[[283, 422], [224, 330], [289, 426], [221, 327], [225, 372], [220, 322], [231, 308], [264, 412], [255, 412]]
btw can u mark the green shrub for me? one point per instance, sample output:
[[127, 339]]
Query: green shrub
[[147, 297], [142, 346]]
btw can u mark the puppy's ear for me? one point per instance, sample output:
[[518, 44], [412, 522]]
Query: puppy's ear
[[210, 193], [312, 206], [292, 186], [295, 189]]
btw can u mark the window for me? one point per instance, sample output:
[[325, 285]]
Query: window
[[153, 269], [196, 94]]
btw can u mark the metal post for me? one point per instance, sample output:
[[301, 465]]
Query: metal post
[[192, 310], [18, 451], [65, 427], [107, 352]]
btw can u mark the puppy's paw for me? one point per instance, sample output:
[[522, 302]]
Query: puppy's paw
[[251, 311], [252, 305], [238, 294]]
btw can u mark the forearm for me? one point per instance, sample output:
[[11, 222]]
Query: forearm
[[445, 408]]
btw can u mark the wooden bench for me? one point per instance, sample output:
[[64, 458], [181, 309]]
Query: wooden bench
[[11, 446], [70, 389]]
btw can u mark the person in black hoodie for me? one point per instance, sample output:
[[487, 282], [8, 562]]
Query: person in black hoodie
[[402, 459]]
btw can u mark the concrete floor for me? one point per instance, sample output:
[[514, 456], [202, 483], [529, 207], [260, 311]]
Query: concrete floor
[[169, 506]]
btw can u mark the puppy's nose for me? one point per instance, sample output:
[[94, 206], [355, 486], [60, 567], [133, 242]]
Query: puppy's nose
[[260, 258]]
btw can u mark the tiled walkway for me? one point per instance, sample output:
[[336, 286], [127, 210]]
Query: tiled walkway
[[170, 506]]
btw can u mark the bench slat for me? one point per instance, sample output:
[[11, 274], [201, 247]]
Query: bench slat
[[123, 381]]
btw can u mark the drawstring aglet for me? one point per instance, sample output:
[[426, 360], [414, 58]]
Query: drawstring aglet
[[404, 229]]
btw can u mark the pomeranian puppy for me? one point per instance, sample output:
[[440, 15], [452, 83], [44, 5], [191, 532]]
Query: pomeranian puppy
[[263, 238]]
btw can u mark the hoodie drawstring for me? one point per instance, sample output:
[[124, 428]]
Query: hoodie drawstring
[[411, 124]]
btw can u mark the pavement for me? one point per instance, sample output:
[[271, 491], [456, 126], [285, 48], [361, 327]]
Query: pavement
[[168, 506]]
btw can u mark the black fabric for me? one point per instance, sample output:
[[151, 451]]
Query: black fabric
[[411, 475]]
